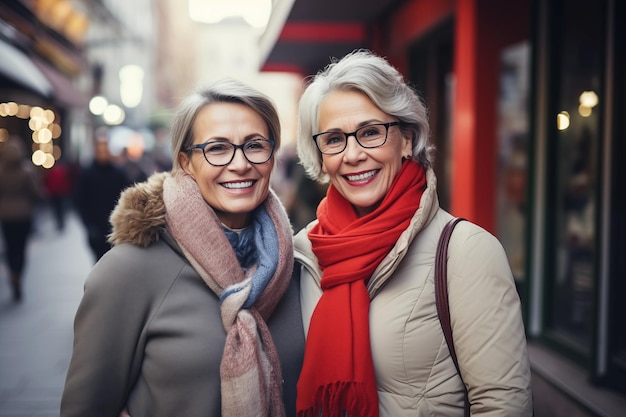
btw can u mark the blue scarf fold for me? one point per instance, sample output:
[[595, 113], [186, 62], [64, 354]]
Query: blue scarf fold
[[243, 245], [257, 243]]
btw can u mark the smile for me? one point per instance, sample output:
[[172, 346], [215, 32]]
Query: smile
[[236, 185], [363, 176]]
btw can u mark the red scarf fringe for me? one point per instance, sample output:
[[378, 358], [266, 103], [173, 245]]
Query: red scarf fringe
[[341, 399]]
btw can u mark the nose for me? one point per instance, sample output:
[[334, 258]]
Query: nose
[[239, 160], [353, 152]]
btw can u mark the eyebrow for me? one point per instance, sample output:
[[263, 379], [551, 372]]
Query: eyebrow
[[360, 125], [247, 138]]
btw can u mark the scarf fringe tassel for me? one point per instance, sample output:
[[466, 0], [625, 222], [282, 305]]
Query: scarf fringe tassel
[[342, 399]]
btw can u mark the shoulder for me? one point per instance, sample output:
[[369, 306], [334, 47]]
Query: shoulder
[[302, 244], [470, 242], [129, 273], [479, 271], [301, 239], [477, 263]]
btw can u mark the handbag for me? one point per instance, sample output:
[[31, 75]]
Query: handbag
[[441, 295]]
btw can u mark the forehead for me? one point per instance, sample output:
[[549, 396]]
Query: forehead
[[229, 120], [348, 109]]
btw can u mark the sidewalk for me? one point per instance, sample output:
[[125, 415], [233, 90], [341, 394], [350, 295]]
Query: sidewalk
[[36, 334]]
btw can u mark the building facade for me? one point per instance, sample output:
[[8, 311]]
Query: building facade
[[527, 102], [40, 69]]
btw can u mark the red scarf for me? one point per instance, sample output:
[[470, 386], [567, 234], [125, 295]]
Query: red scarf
[[338, 372]]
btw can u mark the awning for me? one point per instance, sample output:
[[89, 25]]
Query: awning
[[64, 91], [18, 67], [303, 35], [36, 75]]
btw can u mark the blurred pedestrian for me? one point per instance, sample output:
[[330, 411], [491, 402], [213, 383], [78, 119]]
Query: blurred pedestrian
[[98, 189], [58, 191], [193, 312], [374, 345], [20, 192], [134, 166]]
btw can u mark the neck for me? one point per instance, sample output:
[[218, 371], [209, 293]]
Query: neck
[[234, 221]]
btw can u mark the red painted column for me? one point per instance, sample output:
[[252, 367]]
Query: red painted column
[[464, 121], [474, 117]]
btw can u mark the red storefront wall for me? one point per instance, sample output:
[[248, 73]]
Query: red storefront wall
[[482, 29]]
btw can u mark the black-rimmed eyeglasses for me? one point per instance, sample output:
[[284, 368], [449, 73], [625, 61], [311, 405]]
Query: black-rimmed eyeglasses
[[370, 136], [220, 152]]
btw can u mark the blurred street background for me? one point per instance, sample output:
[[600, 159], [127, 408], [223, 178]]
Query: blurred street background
[[36, 334], [526, 102]]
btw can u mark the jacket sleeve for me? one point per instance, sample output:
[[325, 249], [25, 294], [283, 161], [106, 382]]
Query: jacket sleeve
[[107, 337], [487, 325]]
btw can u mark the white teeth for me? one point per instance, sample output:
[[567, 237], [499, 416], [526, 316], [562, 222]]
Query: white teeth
[[244, 184], [361, 177]]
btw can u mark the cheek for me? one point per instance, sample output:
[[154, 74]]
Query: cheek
[[266, 170], [199, 169], [329, 164]]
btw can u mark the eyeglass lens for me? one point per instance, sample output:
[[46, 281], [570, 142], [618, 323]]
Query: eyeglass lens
[[222, 153], [370, 136]]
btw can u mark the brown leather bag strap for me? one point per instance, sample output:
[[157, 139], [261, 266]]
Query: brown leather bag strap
[[441, 295]]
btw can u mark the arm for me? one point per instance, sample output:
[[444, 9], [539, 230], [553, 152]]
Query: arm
[[107, 331], [487, 325]]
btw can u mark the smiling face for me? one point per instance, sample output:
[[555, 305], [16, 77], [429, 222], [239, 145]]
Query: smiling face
[[362, 176], [236, 189]]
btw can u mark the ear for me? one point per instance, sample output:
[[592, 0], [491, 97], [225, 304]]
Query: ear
[[407, 145], [185, 163]]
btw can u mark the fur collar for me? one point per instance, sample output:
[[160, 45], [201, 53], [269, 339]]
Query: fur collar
[[139, 215]]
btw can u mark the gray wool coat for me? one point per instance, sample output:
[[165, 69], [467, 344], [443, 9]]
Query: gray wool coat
[[148, 333]]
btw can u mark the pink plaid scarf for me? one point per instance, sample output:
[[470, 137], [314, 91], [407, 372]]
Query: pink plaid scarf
[[250, 375]]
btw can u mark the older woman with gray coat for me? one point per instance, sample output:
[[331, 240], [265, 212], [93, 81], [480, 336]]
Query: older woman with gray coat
[[193, 311], [374, 345]]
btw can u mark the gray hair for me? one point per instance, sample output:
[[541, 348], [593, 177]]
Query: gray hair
[[375, 77], [222, 91]]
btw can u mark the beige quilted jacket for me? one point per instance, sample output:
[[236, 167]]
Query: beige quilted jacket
[[415, 374]]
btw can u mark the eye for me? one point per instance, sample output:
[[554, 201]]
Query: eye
[[333, 139], [257, 145], [216, 148], [368, 131]]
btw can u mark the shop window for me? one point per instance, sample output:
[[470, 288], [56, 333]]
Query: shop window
[[577, 71], [513, 132], [617, 284]]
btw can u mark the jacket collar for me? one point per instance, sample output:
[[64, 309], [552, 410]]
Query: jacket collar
[[139, 217], [428, 207]]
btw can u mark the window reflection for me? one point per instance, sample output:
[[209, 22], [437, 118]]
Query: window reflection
[[577, 79], [513, 133]]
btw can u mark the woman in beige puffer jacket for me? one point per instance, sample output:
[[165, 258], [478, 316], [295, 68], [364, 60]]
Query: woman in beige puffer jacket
[[413, 371]]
